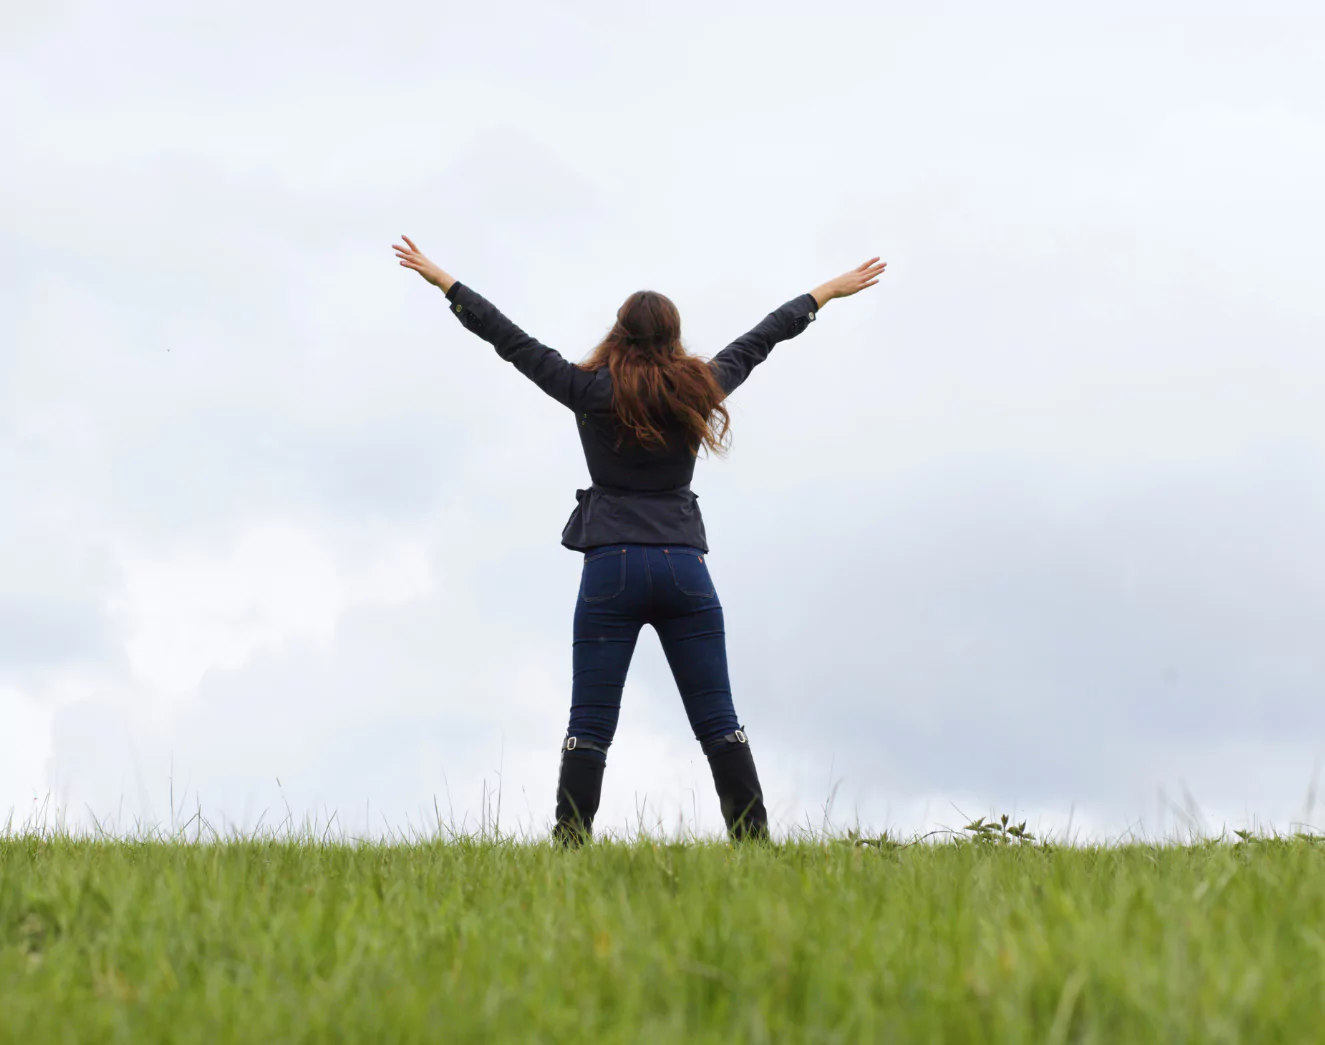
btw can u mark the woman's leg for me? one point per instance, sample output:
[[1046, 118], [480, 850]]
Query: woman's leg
[[608, 616], [605, 633], [689, 622], [695, 643]]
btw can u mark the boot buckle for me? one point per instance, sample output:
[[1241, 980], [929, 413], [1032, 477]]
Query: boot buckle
[[575, 743]]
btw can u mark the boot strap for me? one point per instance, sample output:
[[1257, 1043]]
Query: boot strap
[[722, 745], [575, 743]]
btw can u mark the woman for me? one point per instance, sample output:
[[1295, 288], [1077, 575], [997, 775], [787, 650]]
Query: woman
[[644, 407]]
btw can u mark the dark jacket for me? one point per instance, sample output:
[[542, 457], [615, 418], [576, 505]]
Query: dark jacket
[[638, 496]]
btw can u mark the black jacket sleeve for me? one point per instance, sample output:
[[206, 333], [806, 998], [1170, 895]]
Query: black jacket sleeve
[[544, 366], [733, 364]]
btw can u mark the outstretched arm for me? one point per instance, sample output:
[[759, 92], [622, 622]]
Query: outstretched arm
[[563, 381], [733, 364]]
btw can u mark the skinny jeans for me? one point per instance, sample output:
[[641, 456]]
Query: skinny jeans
[[622, 588]]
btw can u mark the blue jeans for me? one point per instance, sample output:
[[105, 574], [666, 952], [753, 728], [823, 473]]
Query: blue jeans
[[622, 588]]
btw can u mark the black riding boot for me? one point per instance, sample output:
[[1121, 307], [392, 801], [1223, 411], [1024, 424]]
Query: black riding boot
[[739, 793], [578, 789]]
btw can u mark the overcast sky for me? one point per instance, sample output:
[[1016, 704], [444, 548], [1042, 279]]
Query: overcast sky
[[1032, 526]]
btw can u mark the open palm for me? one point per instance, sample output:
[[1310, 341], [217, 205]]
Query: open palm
[[860, 277], [412, 258]]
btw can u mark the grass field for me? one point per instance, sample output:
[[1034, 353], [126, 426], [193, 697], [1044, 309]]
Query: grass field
[[275, 941]]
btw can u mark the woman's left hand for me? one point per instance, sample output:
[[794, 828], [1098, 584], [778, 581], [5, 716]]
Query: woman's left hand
[[413, 258]]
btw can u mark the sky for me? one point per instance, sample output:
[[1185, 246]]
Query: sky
[[1031, 527]]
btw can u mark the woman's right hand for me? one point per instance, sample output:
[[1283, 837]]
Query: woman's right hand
[[860, 277]]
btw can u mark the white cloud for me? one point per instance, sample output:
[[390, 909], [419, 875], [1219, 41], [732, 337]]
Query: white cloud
[[185, 610]]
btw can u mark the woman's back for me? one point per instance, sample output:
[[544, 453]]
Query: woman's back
[[634, 402], [618, 461]]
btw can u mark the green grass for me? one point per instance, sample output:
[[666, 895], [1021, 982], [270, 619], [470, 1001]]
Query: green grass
[[273, 941]]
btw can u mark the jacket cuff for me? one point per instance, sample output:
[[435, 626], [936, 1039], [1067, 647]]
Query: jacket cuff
[[464, 300]]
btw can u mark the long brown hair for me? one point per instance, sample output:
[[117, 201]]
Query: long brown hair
[[656, 383]]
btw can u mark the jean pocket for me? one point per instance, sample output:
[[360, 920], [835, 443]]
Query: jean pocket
[[604, 575], [690, 573]]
